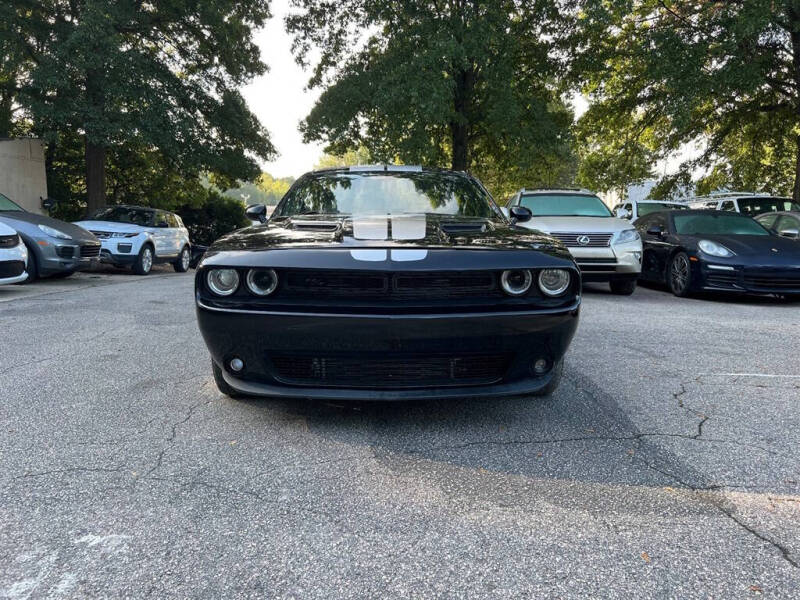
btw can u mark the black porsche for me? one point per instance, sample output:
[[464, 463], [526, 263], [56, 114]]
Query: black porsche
[[706, 250], [387, 283]]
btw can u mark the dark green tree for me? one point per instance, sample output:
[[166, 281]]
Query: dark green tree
[[722, 76], [469, 83], [159, 76]]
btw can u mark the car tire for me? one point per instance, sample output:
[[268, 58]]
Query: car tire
[[32, 268], [184, 260], [144, 262], [555, 380], [222, 385], [624, 287], [679, 275]]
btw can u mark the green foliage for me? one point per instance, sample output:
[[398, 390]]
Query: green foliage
[[664, 73], [158, 81], [465, 82], [351, 158], [213, 217]]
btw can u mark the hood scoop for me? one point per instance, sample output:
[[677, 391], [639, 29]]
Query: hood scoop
[[312, 225], [455, 227]]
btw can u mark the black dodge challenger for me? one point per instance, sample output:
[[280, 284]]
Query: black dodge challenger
[[708, 250], [387, 283]]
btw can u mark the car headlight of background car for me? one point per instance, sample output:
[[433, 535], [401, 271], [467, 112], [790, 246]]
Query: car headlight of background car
[[120, 234], [714, 249], [55, 233], [626, 236]]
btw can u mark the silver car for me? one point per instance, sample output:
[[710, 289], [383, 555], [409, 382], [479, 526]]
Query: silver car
[[604, 247], [55, 248]]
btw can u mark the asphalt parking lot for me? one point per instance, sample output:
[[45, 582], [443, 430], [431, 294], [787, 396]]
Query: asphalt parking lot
[[666, 465]]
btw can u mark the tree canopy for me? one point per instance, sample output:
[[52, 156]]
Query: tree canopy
[[664, 73], [469, 83], [161, 78]]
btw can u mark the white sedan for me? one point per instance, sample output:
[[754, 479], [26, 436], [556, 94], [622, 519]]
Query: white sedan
[[13, 256]]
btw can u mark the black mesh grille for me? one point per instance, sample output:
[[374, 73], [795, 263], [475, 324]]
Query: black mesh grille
[[65, 251], [722, 279], [12, 268], [9, 241], [776, 281], [311, 283], [90, 250], [393, 372]]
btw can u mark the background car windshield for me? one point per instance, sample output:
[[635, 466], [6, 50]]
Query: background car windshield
[[565, 205], [6, 204], [756, 206], [721, 224], [122, 214], [387, 193], [650, 207]]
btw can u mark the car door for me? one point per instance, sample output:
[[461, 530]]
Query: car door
[[161, 235], [176, 235], [655, 245]]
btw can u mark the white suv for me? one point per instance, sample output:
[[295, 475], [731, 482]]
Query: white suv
[[747, 203], [13, 256], [604, 247], [633, 209], [139, 237]]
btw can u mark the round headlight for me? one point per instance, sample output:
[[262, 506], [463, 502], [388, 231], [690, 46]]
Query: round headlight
[[516, 282], [262, 282], [223, 282], [554, 282]]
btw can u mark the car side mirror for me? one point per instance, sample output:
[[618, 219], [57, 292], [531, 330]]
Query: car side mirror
[[790, 233], [655, 230], [256, 212], [623, 213], [520, 214], [48, 203]]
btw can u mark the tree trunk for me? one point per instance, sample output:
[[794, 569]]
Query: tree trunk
[[459, 126], [794, 29], [95, 177]]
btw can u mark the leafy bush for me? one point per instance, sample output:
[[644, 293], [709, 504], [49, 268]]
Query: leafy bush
[[214, 218]]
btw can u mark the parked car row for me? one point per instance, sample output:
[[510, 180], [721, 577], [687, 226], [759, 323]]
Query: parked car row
[[34, 245]]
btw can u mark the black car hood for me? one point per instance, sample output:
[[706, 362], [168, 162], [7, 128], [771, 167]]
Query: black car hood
[[79, 234], [401, 231]]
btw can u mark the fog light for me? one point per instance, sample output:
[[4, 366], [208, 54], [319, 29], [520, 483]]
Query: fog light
[[236, 364], [540, 366]]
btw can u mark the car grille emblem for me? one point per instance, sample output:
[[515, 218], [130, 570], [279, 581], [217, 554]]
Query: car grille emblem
[[583, 240]]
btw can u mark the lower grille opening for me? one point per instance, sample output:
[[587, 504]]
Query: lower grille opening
[[12, 268], [775, 282], [90, 251], [722, 279], [392, 372]]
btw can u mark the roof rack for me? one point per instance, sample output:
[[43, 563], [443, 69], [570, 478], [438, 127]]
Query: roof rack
[[726, 194], [388, 168]]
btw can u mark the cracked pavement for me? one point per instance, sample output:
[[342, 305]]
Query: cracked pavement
[[666, 465]]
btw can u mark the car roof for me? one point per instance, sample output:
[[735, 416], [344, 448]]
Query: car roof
[[792, 213], [658, 202], [383, 168]]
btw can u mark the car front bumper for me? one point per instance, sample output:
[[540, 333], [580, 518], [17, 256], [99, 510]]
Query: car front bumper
[[747, 279], [258, 339], [66, 256], [619, 261], [12, 264]]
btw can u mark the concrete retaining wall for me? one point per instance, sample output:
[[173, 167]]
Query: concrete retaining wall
[[22, 173]]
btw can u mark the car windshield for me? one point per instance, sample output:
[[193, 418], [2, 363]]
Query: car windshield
[[125, 214], [756, 206], [645, 208], [565, 205], [8, 205], [721, 223], [382, 193]]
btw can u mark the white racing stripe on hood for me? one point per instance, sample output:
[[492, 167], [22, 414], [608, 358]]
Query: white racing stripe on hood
[[371, 228], [408, 227], [369, 255], [409, 255]]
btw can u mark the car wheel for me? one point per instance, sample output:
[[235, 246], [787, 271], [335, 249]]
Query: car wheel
[[624, 287], [679, 275], [144, 262], [32, 268], [222, 385], [552, 385], [184, 258]]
